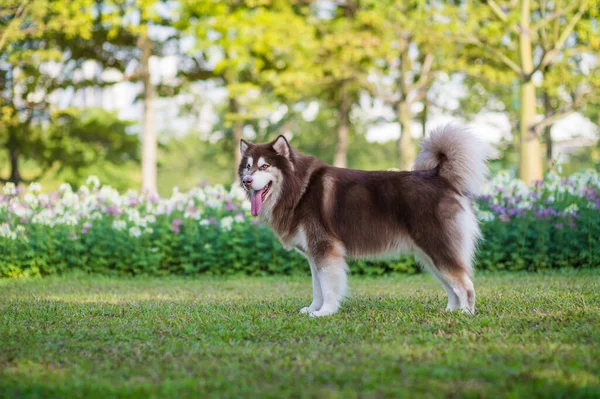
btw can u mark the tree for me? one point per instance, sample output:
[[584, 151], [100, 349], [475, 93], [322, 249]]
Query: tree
[[510, 35], [127, 26], [33, 66], [79, 140], [413, 55], [257, 50], [348, 47]]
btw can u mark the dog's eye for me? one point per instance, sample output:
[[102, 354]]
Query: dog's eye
[[264, 167], [248, 166]]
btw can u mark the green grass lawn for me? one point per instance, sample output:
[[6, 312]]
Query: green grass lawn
[[533, 335]]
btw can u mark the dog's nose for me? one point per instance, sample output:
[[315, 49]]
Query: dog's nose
[[247, 180]]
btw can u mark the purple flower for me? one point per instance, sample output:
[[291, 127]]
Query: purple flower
[[113, 210], [230, 207], [175, 225], [504, 217], [559, 226], [86, 228], [256, 222]]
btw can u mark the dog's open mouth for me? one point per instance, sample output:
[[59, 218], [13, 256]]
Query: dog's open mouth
[[257, 198]]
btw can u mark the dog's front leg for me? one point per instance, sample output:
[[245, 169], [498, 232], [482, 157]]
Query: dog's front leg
[[333, 280], [317, 301]]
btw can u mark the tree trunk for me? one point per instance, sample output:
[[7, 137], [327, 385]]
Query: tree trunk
[[425, 116], [406, 148], [548, 133], [15, 174], [238, 129], [341, 148], [148, 132], [530, 163]]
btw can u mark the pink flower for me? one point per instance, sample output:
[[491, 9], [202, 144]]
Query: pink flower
[[175, 225], [86, 228]]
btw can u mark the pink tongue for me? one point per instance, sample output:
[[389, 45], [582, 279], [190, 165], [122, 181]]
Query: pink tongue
[[256, 202]]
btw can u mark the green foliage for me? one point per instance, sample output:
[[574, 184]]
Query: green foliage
[[534, 335], [526, 243], [80, 140]]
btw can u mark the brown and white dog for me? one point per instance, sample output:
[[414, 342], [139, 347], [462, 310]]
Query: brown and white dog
[[331, 214]]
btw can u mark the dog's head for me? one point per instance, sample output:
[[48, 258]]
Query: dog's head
[[262, 169]]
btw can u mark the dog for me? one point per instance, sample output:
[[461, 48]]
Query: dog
[[331, 214]]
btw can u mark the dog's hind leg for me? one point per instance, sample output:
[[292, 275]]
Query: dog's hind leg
[[317, 301], [461, 284], [332, 276], [453, 300]]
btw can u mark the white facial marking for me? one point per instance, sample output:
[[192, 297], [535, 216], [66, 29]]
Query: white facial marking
[[261, 179], [261, 162], [250, 161]]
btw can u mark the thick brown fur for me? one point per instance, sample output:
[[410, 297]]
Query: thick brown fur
[[330, 213]]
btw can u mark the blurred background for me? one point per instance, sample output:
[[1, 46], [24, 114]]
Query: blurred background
[[152, 95]]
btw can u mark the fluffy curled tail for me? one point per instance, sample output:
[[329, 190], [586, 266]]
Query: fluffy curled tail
[[459, 156]]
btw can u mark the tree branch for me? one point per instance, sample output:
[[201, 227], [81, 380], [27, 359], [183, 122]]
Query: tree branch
[[497, 54], [559, 113], [549, 56], [425, 70], [497, 10], [551, 17], [21, 11]]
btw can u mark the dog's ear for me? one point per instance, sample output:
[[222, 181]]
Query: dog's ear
[[244, 145], [282, 147]]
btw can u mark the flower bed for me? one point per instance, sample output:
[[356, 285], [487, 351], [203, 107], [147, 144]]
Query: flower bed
[[209, 230]]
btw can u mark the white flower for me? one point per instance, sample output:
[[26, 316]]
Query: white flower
[[95, 215], [571, 209], [486, 216], [119, 225], [204, 222], [64, 188], [226, 223], [148, 230], [10, 189], [35, 188], [93, 181], [239, 218], [5, 231], [135, 231]]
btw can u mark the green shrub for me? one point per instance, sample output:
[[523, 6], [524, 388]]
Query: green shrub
[[208, 231]]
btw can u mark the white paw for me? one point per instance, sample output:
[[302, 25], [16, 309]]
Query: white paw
[[323, 312], [307, 309], [468, 311]]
